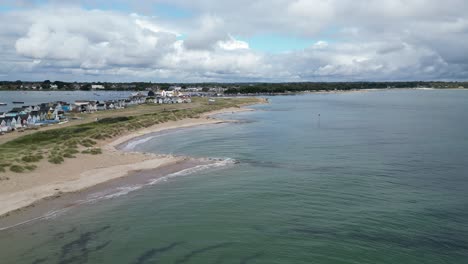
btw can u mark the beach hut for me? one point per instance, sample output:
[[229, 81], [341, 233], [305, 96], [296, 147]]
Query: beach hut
[[4, 127], [101, 107], [58, 106], [110, 105], [18, 122], [29, 120], [66, 107], [12, 123]]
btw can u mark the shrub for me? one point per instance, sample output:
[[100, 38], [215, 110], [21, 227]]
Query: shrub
[[93, 151], [16, 168], [5, 164], [69, 156], [30, 167], [56, 159], [72, 143], [32, 158], [71, 151], [87, 142]]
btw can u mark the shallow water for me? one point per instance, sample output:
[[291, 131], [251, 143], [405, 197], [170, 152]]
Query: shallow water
[[379, 177]]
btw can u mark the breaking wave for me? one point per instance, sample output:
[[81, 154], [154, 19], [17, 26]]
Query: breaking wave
[[215, 163], [132, 144]]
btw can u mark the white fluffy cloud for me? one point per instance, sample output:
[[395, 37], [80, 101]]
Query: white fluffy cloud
[[350, 40]]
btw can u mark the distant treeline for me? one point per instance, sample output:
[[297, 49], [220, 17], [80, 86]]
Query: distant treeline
[[229, 88], [330, 86]]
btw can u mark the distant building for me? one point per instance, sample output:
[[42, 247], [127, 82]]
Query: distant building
[[97, 87]]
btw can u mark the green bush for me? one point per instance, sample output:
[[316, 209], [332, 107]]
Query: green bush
[[114, 120], [30, 167], [71, 151], [93, 151], [69, 156], [5, 164], [87, 142], [16, 168], [56, 159], [32, 158]]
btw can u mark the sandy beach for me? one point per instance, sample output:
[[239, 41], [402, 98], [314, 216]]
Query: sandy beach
[[75, 175]]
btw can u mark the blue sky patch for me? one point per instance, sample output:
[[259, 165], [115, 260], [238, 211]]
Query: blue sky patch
[[170, 11], [6, 8]]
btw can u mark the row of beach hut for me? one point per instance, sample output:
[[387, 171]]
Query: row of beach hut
[[52, 113]]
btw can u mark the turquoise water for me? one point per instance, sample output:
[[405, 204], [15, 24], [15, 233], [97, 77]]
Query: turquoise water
[[379, 177]]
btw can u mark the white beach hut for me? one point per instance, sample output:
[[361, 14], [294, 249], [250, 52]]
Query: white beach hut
[[18, 122]]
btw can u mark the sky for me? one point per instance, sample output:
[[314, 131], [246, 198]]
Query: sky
[[233, 41]]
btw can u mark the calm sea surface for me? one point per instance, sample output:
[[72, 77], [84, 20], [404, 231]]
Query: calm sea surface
[[378, 177]]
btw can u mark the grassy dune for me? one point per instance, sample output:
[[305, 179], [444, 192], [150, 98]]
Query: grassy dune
[[56, 145]]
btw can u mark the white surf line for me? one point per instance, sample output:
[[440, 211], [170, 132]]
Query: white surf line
[[124, 190]]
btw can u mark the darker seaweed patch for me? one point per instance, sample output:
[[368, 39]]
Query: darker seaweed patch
[[39, 261], [190, 255], [61, 235], [251, 257], [78, 251], [103, 245], [150, 254]]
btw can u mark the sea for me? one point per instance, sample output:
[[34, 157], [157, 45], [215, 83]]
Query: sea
[[343, 178]]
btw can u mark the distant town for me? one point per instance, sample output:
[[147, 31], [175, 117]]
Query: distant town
[[23, 116], [100, 86]]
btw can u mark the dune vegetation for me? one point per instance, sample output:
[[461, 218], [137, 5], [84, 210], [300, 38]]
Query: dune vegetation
[[56, 145]]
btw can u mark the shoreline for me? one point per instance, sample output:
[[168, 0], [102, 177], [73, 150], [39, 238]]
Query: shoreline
[[52, 181], [344, 91]]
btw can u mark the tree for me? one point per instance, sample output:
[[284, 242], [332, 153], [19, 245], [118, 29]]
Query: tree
[[86, 87], [45, 84]]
